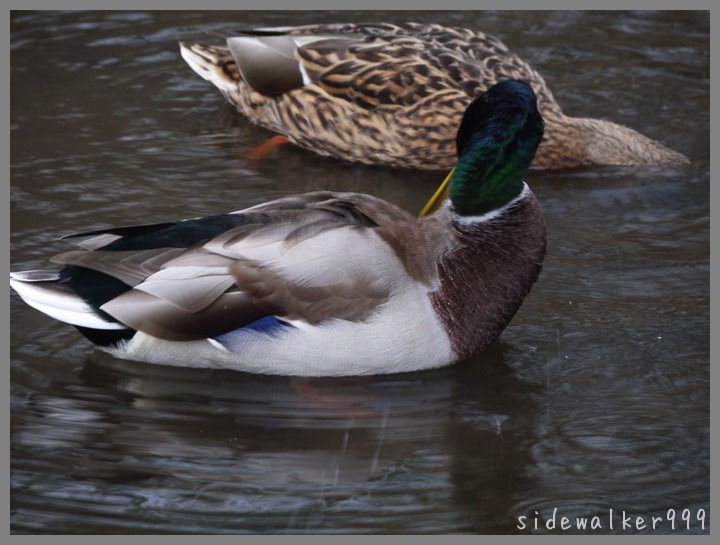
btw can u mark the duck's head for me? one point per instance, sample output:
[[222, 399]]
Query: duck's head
[[496, 142]]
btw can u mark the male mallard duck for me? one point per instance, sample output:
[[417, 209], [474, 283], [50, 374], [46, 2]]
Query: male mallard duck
[[393, 94], [322, 283]]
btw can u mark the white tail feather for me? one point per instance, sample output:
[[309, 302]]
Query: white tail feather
[[63, 305]]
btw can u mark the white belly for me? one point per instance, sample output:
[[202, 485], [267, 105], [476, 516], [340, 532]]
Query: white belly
[[404, 335]]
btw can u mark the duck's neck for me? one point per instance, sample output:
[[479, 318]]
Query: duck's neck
[[488, 272], [489, 173], [576, 142]]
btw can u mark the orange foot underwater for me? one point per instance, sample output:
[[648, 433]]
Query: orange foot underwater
[[259, 152]]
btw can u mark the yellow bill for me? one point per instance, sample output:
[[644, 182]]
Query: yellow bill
[[438, 197]]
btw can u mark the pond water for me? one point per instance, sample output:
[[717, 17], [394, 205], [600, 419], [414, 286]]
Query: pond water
[[596, 397]]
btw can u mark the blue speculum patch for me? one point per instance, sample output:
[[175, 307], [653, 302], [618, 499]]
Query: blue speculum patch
[[268, 325]]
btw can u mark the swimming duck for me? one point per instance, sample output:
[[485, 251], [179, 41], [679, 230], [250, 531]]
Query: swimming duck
[[393, 94], [322, 283]]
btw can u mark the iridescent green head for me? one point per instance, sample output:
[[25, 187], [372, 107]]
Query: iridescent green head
[[496, 143]]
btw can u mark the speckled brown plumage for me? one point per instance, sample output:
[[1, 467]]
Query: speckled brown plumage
[[394, 94]]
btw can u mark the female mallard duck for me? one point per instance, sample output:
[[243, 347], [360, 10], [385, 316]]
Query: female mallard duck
[[393, 94], [322, 283]]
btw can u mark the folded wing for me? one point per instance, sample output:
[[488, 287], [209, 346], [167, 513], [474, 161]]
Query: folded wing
[[306, 259]]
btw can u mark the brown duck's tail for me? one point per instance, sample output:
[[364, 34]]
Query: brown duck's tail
[[214, 64]]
